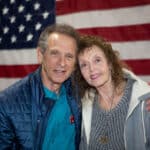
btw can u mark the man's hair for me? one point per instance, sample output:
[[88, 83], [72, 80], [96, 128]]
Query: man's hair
[[56, 28]]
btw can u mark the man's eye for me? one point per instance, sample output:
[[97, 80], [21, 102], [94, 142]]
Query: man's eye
[[69, 56], [53, 53]]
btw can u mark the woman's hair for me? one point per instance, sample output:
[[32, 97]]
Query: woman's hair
[[56, 28], [112, 57]]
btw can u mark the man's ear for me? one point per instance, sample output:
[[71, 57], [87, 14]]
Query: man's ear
[[39, 55]]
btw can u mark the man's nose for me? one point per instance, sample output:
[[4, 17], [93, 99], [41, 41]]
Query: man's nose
[[62, 61]]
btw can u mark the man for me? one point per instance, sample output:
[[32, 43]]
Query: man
[[40, 111]]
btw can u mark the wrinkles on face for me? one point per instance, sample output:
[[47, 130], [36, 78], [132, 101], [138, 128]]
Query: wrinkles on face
[[94, 66], [58, 60]]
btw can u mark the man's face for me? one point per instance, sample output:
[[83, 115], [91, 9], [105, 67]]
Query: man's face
[[58, 60]]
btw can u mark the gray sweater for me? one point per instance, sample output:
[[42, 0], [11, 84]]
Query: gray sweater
[[107, 126]]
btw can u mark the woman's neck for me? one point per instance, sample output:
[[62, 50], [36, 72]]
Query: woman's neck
[[109, 95]]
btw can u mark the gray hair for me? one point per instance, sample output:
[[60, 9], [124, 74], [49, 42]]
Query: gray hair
[[56, 28]]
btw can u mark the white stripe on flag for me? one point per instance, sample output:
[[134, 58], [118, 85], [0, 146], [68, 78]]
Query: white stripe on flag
[[107, 18], [17, 57], [133, 50], [127, 50], [5, 82]]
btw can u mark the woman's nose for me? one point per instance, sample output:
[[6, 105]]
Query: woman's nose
[[91, 67]]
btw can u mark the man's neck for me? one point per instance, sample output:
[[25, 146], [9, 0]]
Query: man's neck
[[53, 87]]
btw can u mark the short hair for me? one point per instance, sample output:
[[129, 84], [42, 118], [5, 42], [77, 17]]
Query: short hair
[[56, 28]]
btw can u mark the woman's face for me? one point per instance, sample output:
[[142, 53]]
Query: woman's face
[[94, 66]]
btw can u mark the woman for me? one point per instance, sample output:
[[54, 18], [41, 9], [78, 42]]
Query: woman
[[113, 100]]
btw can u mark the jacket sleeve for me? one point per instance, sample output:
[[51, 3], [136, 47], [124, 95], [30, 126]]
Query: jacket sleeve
[[6, 129], [147, 126]]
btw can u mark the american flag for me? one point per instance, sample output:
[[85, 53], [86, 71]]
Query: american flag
[[21, 22], [125, 23]]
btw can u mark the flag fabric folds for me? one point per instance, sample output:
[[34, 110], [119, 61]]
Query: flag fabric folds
[[124, 23], [21, 22]]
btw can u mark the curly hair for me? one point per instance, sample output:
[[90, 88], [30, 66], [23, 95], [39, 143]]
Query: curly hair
[[87, 41]]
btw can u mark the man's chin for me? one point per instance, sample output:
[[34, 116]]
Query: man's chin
[[60, 81]]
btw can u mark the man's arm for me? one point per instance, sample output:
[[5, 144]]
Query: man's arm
[[6, 131]]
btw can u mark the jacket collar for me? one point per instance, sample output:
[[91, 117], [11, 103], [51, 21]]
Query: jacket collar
[[87, 103], [140, 91]]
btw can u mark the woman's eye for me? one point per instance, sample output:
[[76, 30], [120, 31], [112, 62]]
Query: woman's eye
[[82, 65], [97, 60]]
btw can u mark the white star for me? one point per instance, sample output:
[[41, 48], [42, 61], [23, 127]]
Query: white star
[[21, 28], [38, 26], [5, 30], [45, 15], [28, 17], [12, 1], [36, 6], [12, 19], [0, 40], [21, 8], [5, 10], [29, 37], [13, 39]]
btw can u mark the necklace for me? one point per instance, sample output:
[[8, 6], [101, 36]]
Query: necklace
[[107, 102], [104, 139]]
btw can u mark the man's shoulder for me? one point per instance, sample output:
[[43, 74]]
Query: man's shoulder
[[22, 88], [21, 84], [18, 88]]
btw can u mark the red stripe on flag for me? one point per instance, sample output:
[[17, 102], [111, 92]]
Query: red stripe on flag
[[70, 6], [16, 71], [122, 33], [139, 67]]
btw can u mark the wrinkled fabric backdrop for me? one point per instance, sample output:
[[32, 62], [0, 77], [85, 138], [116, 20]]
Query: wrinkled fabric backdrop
[[124, 23]]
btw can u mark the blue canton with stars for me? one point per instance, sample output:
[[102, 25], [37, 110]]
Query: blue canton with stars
[[21, 22]]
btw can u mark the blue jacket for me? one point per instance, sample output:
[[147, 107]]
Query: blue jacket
[[24, 112]]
